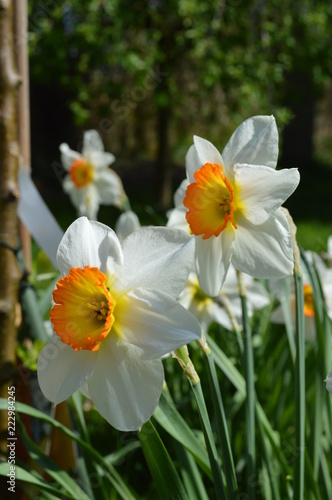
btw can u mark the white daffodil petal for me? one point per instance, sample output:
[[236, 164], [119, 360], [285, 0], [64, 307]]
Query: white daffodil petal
[[264, 189], [329, 246], [193, 163], [88, 243], [100, 160], [277, 316], [85, 390], [127, 223], [68, 156], [264, 251], [124, 388], [156, 323], [257, 295], [328, 381], [218, 314], [77, 196], [158, 258], [180, 193], [177, 219], [91, 142], [90, 205], [109, 187], [207, 152], [68, 185], [212, 258], [255, 142], [61, 370]]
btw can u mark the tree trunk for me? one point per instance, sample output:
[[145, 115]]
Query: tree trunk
[[9, 272]]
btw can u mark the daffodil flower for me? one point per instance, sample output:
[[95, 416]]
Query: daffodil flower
[[90, 182], [325, 276], [233, 205], [114, 315], [209, 309]]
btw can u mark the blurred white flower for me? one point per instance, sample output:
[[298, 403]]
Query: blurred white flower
[[114, 315], [277, 288], [90, 182], [177, 216], [329, 247], [208, 309]]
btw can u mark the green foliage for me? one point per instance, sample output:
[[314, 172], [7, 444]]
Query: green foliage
[[222, 62]]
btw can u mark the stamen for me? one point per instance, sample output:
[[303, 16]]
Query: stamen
[[83, 312]]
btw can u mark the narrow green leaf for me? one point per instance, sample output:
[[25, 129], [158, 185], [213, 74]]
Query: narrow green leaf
[[32, 478], [117, 481], [231, 372], [250, 391], [170, 419], [268, 459], [286, 309], [299, 391], [209, 441], [60, 476], [228, 463], [160, 464], [190, 474]]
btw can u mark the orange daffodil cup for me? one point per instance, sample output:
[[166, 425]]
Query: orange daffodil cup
[[232, 204], [114, 315], [90, 182]]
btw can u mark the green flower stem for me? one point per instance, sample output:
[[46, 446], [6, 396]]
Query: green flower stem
[[299, 452], [299, 390], [268, 458], [236, 327], [186, 364], [250, 388], [218, 405], [209, 441], [126, 203]]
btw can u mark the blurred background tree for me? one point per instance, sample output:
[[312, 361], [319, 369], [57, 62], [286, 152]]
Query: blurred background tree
[[149, 74]]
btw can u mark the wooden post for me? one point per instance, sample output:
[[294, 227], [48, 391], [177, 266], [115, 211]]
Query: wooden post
[[22, 59], [9, 157]]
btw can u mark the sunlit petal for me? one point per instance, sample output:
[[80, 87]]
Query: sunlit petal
[[88, 243], [264, 251], [61, 370], [124, 388], [264, 190], [254, 142], [157, 324], [158, 258]]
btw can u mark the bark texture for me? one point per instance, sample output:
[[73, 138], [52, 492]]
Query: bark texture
[[9, 272]]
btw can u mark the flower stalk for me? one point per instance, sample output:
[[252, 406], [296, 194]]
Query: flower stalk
[[250, 387], [299, 374], [218, 406], [186, 364]]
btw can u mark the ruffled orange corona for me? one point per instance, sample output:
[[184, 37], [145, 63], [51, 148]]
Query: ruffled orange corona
[[210, 202], [309, 306], [83, 312], [81, 173]]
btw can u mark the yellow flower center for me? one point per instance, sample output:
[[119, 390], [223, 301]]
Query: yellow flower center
[[83, 312], [199, 297], [210, 201], [309, 305], [81, 173]]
